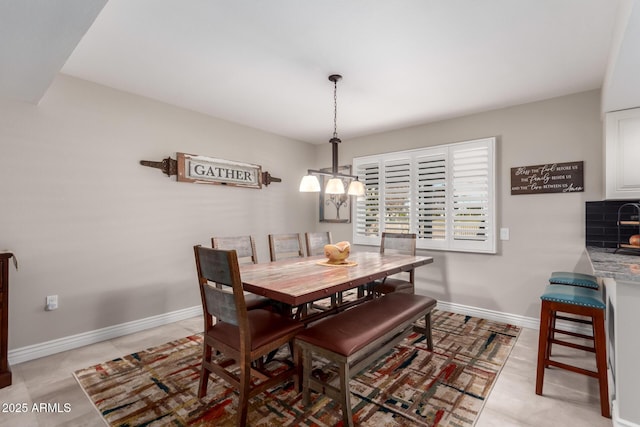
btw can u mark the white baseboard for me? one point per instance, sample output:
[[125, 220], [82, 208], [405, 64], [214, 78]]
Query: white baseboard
[[616, 420], [48, 348], [513, 319]]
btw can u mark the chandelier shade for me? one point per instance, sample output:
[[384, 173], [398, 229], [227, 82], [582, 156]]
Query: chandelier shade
[[310, 184]]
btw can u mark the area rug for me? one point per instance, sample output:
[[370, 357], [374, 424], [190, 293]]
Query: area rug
[[408, 386]]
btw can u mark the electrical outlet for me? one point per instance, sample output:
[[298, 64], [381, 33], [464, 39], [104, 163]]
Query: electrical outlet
[[504, 234], [51, 303]]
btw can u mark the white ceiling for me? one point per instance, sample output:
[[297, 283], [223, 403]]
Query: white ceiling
[[265, 63]]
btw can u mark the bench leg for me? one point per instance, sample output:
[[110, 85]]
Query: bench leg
[[426, 331], [427, 323], [347, 417], [306, 375]]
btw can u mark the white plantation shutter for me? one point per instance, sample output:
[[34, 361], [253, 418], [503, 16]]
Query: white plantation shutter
[[445, 194], [367, 214], [472, 194], [432, 197], [397, 195]]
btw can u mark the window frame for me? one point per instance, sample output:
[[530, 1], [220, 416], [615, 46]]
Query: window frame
[[479, 159]]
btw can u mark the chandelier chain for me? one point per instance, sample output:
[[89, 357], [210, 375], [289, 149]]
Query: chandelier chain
[[335, 109]]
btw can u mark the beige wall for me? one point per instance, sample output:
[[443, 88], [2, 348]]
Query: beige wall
[[547, 230], [113, 238]]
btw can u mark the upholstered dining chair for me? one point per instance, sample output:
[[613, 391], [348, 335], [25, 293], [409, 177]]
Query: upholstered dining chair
[[282, 246], [403, 243], [245, 248], [242, 336], [315, 242]]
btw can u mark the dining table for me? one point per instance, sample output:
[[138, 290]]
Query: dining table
[[296, 282]]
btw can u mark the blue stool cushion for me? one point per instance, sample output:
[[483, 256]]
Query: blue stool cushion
[[574, 295], [574, 279]]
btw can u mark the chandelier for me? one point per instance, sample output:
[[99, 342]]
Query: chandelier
[[335, 185]]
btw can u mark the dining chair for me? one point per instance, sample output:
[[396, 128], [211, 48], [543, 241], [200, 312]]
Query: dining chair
[[282, 246], [246, 251], [315, 242], [245, 247], [402, 243], [242, 335]]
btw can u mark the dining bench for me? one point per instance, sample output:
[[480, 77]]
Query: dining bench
[[355, 338]]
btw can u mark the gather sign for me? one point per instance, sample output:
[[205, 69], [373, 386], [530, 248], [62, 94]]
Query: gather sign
[[208, 170], [548, 178]]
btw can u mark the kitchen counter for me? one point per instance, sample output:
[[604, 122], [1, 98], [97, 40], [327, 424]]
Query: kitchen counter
[[620, 273], [619, 266]]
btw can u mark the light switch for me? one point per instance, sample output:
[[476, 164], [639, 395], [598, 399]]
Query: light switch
[[504, 234]]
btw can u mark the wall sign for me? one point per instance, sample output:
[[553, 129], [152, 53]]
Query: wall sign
[[208, 170], [549, 178]]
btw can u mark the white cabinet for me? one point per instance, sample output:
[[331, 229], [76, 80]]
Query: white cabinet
[[623, 318], [622, 154]]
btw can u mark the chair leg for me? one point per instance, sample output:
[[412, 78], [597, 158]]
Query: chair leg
[[543, 342], [244, 389], [204, 372], [600, 344], [551, 335], [347, 416]]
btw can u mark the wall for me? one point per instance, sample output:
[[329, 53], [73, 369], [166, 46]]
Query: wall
[[547, 230], [113, 238]]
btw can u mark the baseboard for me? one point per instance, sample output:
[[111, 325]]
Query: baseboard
[[48, 348], [512, 319], [616, 420]]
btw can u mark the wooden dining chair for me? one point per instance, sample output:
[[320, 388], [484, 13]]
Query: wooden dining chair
[[246, 250], [402, 243], [242, 336], [282, 246], [315, 242], [244, 246]]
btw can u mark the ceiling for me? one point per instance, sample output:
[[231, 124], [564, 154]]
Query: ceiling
[[265, 64]]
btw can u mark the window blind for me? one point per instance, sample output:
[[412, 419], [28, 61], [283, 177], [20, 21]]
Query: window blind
[[445, 194]]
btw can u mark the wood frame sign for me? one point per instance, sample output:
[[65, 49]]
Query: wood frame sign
[[208, 170], [549, 178]]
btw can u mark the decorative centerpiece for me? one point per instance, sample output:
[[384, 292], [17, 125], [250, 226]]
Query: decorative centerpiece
[[337, 253]]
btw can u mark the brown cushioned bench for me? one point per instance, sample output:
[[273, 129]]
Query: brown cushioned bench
[[354, 338]]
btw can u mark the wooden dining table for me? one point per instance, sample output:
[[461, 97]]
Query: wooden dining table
[[299, 281]]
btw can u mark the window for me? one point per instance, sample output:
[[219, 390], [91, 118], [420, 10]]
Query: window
[[445, 194]]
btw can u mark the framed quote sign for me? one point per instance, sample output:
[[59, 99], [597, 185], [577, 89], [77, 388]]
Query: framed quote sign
[[548, 178]]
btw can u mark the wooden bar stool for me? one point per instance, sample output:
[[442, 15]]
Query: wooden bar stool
[[579, 301]]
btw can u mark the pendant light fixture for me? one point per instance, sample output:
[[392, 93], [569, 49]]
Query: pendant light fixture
[[310, 182]]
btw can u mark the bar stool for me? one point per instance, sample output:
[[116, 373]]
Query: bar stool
[[574, 279], [580, 301]]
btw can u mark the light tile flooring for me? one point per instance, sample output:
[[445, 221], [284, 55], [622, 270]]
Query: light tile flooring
[[569, 399]]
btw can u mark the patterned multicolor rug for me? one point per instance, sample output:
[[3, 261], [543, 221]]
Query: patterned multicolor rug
[[408, 386]]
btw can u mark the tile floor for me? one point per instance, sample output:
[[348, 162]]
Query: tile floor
[[569, 399]]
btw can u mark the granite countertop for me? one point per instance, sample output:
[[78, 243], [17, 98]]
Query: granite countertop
[[620, 266]]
